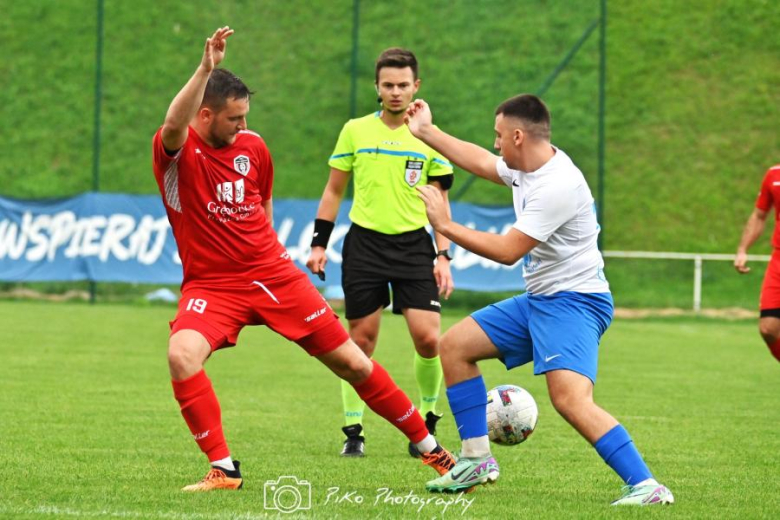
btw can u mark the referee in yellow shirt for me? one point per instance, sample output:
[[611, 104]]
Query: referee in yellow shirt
[[387, 245]]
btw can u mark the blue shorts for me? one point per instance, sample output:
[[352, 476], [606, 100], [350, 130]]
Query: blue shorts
[[560, 331]]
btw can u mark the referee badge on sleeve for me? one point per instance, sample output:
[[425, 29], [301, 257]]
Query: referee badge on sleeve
[[413, 172]]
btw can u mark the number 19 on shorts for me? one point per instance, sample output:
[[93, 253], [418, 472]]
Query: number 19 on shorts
[[196, 304]]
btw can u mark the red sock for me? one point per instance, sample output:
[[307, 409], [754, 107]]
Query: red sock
[[382, 395], [774, 348], [200, 409]]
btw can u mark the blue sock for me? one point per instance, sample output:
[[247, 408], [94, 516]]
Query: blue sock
[[618, 451], [468, 402]]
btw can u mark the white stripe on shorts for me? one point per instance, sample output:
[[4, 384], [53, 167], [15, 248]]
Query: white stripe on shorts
[[266, 290]]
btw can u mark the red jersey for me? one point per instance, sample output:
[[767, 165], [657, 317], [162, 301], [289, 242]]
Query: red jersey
[[213, 198], [770, 196]]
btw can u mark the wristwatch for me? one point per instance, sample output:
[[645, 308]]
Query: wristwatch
[[445, 253]]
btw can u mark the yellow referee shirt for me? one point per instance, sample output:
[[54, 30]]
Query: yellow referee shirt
[[386, 165]]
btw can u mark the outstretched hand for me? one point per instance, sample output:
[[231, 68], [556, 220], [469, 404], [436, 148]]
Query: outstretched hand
[[435, 206], [214, 52], [418, 117]]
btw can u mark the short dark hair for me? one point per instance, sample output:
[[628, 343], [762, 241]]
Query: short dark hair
[[224, 85], [398, 58], [531, 111]]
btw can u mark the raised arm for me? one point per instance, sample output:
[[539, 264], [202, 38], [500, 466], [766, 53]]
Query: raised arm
[[467, 156], [505, 249], [753, 229], [185, 105]]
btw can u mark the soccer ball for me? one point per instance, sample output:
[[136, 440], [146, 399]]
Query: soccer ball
[[511, 414]]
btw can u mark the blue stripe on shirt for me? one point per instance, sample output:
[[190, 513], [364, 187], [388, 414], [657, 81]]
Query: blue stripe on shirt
[[416, 155], [439, 161]]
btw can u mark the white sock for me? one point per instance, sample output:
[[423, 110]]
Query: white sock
[[226, 463], [427, 445], [648, 482], [476, 447]]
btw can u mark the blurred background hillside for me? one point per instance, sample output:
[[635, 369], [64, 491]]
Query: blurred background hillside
[[692, 98]]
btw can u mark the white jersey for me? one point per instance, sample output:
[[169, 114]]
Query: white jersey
[[554, 205]]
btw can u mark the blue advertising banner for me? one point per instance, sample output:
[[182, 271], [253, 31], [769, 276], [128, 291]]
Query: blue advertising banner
[[101, 237], [127, 238]]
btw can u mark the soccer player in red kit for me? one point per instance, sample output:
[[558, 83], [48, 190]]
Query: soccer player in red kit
[[216, 177], [769, 196]]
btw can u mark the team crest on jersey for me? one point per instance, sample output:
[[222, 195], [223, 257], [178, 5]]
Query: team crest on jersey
[[241, 164], [413, 172]]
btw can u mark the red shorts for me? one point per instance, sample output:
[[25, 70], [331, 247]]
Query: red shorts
[[291, 307], [770, 290]]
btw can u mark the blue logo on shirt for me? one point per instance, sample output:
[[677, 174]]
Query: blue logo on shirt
[[529, 264]]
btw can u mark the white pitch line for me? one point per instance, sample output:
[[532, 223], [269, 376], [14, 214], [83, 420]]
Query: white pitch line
[[107, 513]]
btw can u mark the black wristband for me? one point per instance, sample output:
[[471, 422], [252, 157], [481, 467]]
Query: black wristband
[[322, 231]]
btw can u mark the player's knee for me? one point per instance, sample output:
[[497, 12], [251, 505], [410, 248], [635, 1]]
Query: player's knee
[[184, 359], [452, 349], [428, 345], [348, 362], [355, 369], [769, 332], [567, 403], [446, 347], [366, 341]]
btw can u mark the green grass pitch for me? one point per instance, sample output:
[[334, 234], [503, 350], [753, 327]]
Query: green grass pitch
[[89, 427]]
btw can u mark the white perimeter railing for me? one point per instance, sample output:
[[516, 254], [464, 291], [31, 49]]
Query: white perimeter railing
[[697, 261]]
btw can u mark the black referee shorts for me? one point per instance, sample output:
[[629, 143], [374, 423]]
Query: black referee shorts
[[372, 261]]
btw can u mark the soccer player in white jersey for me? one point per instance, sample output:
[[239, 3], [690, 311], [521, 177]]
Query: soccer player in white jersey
[[558, 323]]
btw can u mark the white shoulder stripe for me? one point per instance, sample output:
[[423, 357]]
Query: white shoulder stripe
[[250, 133]]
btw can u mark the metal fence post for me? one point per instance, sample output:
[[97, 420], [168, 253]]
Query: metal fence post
[[548, 83], [96, 132], [697, 284]]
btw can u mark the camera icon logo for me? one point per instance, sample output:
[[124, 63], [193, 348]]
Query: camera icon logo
[[287, 494]]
